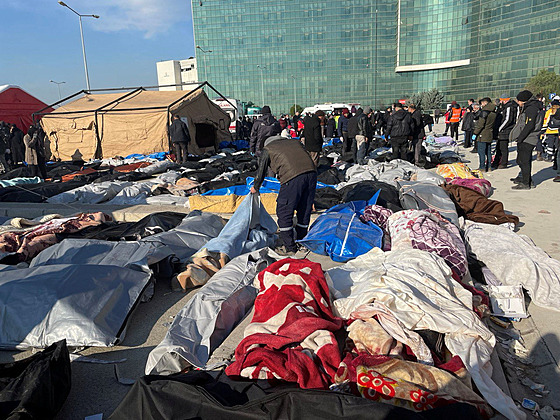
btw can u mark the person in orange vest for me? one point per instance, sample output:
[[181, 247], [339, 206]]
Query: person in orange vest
[[455, 116]]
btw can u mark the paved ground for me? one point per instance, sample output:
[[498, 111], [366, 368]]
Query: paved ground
[[95, 389]]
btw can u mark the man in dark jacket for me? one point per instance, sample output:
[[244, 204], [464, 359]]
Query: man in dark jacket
[[16, 144], [508, 117], [418, 133], [484, 132], [264, 127], [180, 138], [343, 133], [468, 126], [313, 136], [297, 174], [526, 134], [363, 135], [399, 129], [330, 129]]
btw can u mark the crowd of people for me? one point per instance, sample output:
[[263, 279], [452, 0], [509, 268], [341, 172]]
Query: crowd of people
[[17, 149]]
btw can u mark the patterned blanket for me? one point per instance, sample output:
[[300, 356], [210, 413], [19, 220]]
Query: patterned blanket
[[291, 334]]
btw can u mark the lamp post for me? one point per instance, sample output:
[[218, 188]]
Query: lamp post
[[58, 85], [261, 68], [204, 52], [295, 97], [80, 16]]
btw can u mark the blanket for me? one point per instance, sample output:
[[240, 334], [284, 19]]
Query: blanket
[[408, 384], [476, 207], [481, 186], [291, 334], [514, 259], [418, 289], [427, 230], [26, 244], [457, 170]]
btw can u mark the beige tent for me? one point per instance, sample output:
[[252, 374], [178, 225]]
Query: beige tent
[[119, 124]]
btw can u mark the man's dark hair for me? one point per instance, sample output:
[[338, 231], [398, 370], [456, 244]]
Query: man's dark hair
[[487, 99], [398, 105]]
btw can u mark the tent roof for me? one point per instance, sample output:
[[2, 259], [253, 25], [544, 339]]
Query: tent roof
[[140, 99]]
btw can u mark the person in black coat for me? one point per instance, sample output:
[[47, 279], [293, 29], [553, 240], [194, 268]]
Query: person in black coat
[[313, 137], [399, 129], [16, 144], [264, 127], [418, 132], [180, 138], [331, 127], [468, 126]]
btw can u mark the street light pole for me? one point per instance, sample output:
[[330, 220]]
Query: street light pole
[[295, 97], [80, 16], [204, 52], [262, 83], [58, 85]]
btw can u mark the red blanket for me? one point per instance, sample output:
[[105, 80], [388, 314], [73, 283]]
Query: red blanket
[[291, 334]]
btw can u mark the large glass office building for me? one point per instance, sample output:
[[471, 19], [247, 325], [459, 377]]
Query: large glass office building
[[373, 52]]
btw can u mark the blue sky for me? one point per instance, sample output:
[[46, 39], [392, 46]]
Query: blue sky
[[40, 41]]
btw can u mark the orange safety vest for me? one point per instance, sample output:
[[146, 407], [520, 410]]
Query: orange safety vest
[[455, 116]]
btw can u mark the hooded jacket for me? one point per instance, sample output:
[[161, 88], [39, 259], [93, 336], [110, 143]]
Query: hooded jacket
[[484, 126], [179, 132], [353, 124], [264, 127], [342, 125], [400, 124], [529, 124], [364, 126], [508, 118]]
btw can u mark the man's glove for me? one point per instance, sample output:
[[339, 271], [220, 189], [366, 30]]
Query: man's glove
[[474, 137]]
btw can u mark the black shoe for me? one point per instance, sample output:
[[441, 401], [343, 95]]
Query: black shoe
[[474, 150], [556, 179], [521, 186], [517, 180]]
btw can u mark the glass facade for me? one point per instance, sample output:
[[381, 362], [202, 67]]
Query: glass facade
[[373, 52]]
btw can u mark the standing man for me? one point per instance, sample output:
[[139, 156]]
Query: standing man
[[418, 132], [437, 114], [508, 117], [295, 121], [264, 127], [180, 138], [526, 134], [399, 129], [484, 130], [343, 133], [313, 136], [364, 134], [297, 174], [30, 141], [468, 126], [16, 144]]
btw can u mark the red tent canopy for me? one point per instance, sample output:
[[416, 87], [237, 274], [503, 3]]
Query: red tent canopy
[[17, 106]]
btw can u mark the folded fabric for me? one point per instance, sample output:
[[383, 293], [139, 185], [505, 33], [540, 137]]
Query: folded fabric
[[481, 186], [515, 260], [407, 384], [418, 289], [428, 231], [379, 215], [26, 244], [456, 170], [476, 207], [291, 334], [425, 195], [229, 203], [19, 181]]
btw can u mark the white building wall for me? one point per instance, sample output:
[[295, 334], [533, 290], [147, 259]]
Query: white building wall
[[174, 72]]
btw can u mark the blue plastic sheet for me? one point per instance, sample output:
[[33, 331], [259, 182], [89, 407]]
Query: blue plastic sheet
[[269, 185], [332, 142], [340, 234], [139, 156], [236, 144]]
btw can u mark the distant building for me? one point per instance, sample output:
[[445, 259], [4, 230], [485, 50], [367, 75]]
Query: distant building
[[374, 52], [174, 72]]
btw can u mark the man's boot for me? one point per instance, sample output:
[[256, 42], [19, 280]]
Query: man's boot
[[539, 156]]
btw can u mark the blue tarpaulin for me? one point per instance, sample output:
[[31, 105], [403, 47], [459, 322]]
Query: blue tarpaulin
[[138, 156], [236, 144], [340, 234], [269, 185]]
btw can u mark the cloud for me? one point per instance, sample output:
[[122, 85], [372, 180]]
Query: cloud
[[148, 16]]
